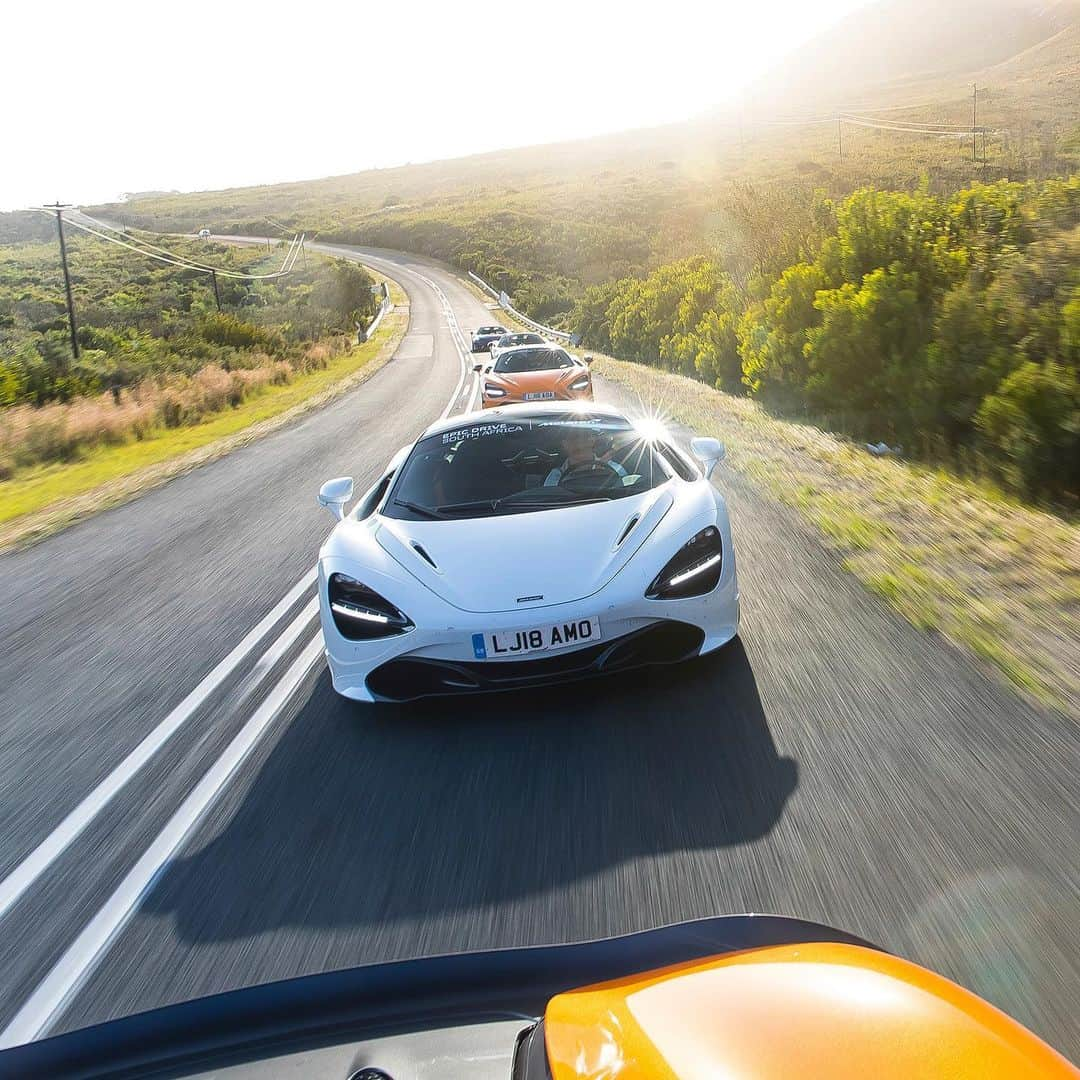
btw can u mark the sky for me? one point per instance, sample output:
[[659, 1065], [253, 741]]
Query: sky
[[103, 97]]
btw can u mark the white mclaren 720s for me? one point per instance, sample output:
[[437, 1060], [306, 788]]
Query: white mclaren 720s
[[526, 545]]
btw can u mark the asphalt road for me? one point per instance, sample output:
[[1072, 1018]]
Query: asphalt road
[[837, 764]]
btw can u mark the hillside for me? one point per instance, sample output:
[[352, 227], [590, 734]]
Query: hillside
[[892, 43]]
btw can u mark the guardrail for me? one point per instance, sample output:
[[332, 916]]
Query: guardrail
[[384, 307], [504, 303]]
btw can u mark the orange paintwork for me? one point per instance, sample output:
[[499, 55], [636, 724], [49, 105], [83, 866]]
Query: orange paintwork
[[811, 1010], [518, 384]]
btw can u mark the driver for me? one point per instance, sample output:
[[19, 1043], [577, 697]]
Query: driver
[[580, 446]]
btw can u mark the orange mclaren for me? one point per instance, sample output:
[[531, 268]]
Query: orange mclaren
[[742, 997], [534, 373]]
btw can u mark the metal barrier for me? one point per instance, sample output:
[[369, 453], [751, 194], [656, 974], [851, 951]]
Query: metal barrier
[[504, 303], [384, 307]]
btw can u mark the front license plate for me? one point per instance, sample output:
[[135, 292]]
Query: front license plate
[[540, 395], [537, 639]]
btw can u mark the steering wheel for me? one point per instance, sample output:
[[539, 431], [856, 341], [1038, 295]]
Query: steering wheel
[[591, 471]]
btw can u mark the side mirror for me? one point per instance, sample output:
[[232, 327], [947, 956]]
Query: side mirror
[[477, 368], [710, 452], [588, 359], [488, 370], [334, 494]]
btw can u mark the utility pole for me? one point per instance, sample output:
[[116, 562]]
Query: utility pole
[[974, 121], [304, 250], [59, 208], [840, 137], [217, 294]]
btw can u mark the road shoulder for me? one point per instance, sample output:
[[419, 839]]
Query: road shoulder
[[997, 578]]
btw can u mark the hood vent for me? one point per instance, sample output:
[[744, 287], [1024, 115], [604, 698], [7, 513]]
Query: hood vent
[[424, 555], [628, 530]]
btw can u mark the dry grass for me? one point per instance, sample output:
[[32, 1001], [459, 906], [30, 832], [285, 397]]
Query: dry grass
[[997, 577], [42, 499], [32, 436]]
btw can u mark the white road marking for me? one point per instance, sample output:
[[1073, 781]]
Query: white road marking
[[39, 860], [464, 353], [55, 991]]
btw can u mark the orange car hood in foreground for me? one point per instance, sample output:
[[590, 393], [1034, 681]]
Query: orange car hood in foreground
[[815, 1010], [531, 382]]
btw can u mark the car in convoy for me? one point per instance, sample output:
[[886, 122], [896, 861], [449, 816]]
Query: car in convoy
[[527, 373], [749, 996], [613, 551], [483, 337], [204, 234], [511, 340]]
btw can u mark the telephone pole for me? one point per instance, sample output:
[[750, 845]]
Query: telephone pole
[[840, 137], [59, 208], [217, 293], [974, 121]]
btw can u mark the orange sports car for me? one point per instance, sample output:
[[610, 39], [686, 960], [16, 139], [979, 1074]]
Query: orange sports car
[[535, 373]]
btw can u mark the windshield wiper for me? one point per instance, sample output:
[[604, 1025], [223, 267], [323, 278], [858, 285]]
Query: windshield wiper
[[544, 504], [465, 507], [423, 511]]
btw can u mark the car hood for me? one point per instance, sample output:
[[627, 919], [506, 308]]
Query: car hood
[[525, 382], [548, 556]]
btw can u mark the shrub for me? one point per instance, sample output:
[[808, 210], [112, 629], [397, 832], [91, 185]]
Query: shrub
[[1031, 425]]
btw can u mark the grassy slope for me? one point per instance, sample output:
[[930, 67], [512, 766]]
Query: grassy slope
[[672, 184], [952, 556], [40, 500]]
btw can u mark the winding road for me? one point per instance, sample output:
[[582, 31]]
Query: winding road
[[189, 808]]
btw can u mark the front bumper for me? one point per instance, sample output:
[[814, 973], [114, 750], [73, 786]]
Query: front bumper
[[409, 678], [436, 658], [519, 399]]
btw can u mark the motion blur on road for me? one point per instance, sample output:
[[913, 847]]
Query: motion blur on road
[[837, 763], [857, 264]]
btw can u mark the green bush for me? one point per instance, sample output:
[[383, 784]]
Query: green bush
[[1031, 424]]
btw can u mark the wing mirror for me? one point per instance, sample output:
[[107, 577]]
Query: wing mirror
[[334, 494], [477, 368], [588, 359], [710, 452]]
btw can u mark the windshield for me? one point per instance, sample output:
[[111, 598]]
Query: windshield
[[524, 360], [530, 463], [507, 341], [491, 330]]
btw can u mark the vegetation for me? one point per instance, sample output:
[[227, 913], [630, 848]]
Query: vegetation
[[950, 325], [154, 350], [879, 291], [951, 555], [41, 498]]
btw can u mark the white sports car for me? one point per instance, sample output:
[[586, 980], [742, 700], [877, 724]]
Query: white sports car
[[526, 545]]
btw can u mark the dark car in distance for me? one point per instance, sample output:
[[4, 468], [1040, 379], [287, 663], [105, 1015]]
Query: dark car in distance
[[486, 336]]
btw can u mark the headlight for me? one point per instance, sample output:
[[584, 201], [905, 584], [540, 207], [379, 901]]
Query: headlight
[[361, 614], [494, 391], [580, 384], [694, 571]]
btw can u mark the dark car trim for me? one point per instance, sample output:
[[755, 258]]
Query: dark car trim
[[408, 678], [365, 1002]]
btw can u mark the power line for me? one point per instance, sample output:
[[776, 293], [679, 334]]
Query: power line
[[907, 125], [143, 242], [172, 259]]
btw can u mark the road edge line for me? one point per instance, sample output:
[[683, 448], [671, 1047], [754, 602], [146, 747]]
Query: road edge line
[[52, 995], [47, 851]]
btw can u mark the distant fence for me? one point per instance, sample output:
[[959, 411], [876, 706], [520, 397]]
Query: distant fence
[[505, 304]]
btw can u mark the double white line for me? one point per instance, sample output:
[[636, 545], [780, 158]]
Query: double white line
[[54, 993]]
